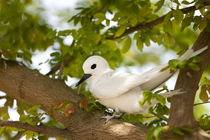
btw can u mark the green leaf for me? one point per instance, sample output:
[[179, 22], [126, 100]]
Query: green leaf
[[107, 22], [133, 21], [186, 2], [168, 40], [150, 133], [161, 109], [167, 24], [203, 94], [112, 44], [139, 44], [173, 63], [126, 45], [147, 42], [187, 129], [159, 4], [55, 54], [197, 59], [123, 21], [157, 132], [178, 15], [203, 24], [159, 39], [186, 22], [193, 66], [161, 99], [43, 137], [96, 38], [182, 64], [154, 131], [100, 17], [120, 31], [148, 96], [178, 131]]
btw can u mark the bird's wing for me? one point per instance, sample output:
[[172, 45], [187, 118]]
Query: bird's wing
[[156, 77], [115, 84]]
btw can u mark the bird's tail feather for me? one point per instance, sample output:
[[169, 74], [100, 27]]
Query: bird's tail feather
[[191, 53], [172, 93]]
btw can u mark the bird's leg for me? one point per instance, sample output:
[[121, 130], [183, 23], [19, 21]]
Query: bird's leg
[[108, 117], [120, 117]]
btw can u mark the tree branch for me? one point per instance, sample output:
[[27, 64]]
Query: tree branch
[[154, 22], [201, 103], [17, 136], [50, 131], [63, 64]]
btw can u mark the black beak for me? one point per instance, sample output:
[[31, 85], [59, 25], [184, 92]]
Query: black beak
[[84, 77]]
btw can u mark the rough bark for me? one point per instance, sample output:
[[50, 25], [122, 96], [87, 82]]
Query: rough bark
[[181, 111], [31, 87]]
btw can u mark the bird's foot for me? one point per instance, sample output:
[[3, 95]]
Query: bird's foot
[[108, 118], [113, 116]]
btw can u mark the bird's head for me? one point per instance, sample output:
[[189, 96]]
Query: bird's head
[[92, 66]]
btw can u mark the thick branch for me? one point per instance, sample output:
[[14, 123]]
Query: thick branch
[[154, 22], [181, 111], [33, 88], [50, 131]]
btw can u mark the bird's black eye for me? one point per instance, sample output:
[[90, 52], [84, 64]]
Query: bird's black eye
[[93, 66]]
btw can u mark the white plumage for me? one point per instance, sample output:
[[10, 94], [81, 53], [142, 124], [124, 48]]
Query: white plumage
[[123, 91]]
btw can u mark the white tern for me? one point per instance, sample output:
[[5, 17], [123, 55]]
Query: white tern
[[122, 91]]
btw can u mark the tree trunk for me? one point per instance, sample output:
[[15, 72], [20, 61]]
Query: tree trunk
[[181, 111]]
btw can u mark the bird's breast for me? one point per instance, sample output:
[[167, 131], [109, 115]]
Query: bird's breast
[[128, 102]]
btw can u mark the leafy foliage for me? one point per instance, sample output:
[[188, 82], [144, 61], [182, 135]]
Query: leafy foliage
[[191, 63], [110, 28]]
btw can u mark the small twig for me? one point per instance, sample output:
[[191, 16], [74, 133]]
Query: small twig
[[2, 97], [61, 71], [5, 65], [161, 118], [99, 10], [72, 44], [80, 87], [50, 131], [65, 62], [149, 117], [3, 37], [201, 103], [17, 136]]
